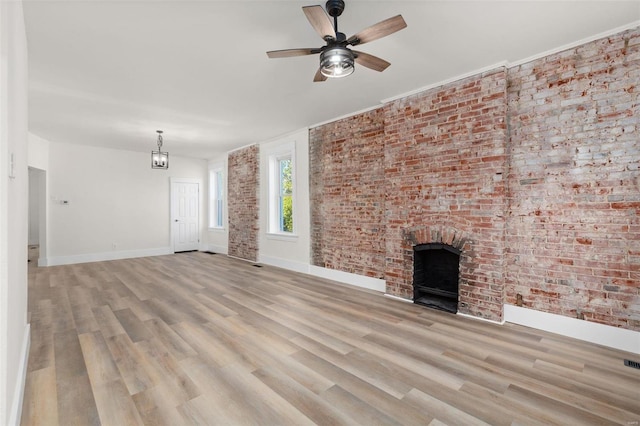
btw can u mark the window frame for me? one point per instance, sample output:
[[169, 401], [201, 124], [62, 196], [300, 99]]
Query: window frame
[[275, 219], [217, 197]]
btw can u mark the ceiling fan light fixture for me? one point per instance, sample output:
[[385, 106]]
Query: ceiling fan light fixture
[[337, 62]]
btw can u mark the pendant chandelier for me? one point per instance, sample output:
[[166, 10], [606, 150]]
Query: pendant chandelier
[[159, 159]]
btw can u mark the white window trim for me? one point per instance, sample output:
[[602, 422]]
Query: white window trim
[[286, 150], [212, 208]]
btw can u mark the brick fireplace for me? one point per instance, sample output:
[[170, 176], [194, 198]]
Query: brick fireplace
[[440, 181], [444, 165]]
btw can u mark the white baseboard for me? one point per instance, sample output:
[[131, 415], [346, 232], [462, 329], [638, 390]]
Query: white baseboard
[[613, 337], [330, 274], [480, 318], [100, 257], [402, 299], [291, 265], [21, 379], [349, 278], [218, 249]]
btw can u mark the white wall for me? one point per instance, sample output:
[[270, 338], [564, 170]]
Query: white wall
[[38, 152], [109, 204], [34, 206], [285, 251], [14, 330], [38, 161], [289, 252]]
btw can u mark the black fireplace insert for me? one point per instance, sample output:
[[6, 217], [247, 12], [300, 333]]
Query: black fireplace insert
[[435, 276]]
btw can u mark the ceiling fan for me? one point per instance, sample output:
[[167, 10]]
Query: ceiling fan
[[336, 59]]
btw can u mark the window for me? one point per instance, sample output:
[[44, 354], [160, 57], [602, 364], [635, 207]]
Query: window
[[285, 195], [281, 193], [216, 196]]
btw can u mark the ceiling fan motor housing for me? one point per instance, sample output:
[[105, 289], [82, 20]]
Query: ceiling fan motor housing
[[336, 59], [335, 7]]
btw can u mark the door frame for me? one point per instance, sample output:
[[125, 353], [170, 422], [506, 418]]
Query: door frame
[[41, 176], [173, 180]]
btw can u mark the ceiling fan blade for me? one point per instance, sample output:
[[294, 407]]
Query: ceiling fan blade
[[287, 53], [370, 61], [379, 30], [320, 21], [319, 76]]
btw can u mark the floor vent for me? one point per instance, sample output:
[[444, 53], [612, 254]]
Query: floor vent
[[632, 364], [257, 266], [210, 252]]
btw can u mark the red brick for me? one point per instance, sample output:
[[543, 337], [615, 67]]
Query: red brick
[[242, 187], [547, 210]]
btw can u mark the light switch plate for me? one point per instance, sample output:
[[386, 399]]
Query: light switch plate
[[12, 166]]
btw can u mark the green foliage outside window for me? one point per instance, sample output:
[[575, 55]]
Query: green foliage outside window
[[286, 199]]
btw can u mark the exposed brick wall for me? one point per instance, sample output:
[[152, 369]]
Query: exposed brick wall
[[243, 207], [573, 232], [347, 194], [532, 172], [445, 159]]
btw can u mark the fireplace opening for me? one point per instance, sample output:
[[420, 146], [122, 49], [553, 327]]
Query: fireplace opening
[[435, 276]]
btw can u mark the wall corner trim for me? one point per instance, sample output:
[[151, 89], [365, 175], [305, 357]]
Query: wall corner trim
[[606, 335], [18, 393]]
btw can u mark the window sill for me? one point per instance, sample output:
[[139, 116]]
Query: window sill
[[281, 236], [217, 229]]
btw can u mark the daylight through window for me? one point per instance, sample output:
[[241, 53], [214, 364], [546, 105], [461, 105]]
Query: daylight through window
[[216, 189]]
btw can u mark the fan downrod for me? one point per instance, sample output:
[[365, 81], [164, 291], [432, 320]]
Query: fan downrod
[[335, 7]]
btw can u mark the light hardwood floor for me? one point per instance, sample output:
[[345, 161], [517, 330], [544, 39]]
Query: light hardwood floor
[[205, 339]]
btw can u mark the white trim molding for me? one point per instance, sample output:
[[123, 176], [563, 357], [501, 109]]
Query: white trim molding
[[480, 318], [575, 44], [401, 299], [606, 335], [21, 379], [100, 257], [349, 278], [217, 249], [285, 264]]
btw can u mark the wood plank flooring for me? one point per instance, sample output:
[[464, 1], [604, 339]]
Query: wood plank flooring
[[204, 339]]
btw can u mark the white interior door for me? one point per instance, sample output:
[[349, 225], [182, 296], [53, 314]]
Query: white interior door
[[185, 217]]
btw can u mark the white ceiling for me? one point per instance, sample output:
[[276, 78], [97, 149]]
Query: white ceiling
[[109, 73]]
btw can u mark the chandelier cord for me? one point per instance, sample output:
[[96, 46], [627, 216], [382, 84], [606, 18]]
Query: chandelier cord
[[159, 140]]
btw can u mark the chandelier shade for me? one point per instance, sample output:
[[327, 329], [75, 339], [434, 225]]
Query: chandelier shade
[[336, 62]]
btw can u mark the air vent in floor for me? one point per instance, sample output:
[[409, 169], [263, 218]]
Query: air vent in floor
[[632, 364]]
